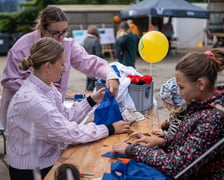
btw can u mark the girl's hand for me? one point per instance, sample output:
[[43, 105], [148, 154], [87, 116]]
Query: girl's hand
[[150, 141], [141, 138], [119, 147], [113, 85], [121, 126], [165, 124], [158, 132], [136, 134], [98, 96]]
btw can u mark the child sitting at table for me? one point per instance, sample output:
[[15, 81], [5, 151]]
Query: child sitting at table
[[201, 128], [176, 106]]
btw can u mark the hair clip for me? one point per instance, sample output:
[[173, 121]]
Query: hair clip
[[209, 53]]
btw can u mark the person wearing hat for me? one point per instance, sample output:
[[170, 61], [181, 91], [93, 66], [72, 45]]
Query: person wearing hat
[[176, 106]]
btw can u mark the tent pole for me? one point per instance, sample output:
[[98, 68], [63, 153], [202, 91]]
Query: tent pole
[[150, 21]]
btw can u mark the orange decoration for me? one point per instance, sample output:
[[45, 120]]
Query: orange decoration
[[117, 19]]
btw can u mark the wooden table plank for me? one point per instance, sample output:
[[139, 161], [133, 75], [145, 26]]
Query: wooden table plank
[[87, 157]]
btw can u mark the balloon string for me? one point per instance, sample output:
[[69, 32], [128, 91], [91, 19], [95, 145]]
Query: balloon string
[[150, 69]]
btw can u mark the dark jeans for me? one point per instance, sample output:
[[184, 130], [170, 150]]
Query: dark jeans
[[90, 83], [20, 174]]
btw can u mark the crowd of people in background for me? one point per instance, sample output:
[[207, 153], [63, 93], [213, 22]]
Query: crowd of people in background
[[35, 81]]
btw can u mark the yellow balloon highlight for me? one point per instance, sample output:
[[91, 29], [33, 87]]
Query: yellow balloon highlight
[[153, 46]]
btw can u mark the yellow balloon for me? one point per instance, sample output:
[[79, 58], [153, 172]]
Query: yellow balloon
[[153, 46]]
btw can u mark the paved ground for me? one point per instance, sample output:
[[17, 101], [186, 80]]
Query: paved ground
[[161, 72]]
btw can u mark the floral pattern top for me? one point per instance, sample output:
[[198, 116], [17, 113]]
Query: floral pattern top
[[200, 129]]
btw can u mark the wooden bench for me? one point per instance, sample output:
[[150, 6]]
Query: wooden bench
[[173, 45], [108, 48]]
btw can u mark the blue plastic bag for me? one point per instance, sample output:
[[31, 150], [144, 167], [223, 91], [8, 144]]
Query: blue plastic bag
[[108, 111], [133, 171]]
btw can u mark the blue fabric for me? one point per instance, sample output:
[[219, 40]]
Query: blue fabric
[[79, 97], [116, 70], [133, 171], [108, 111], [99, 80], [114, 156]]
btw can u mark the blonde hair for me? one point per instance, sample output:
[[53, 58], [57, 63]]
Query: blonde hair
[[175, 110], [44, 50], [123, 29]]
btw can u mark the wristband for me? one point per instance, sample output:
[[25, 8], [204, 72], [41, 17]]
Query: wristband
[[91, 101], [110, 128]]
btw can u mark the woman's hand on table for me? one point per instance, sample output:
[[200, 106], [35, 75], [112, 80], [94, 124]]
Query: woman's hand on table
[[121, 127], [98, 95], [113, 85], [119, 147]]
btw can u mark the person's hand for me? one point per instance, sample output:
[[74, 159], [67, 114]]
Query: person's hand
[[121, 127], [136, 134], [98, 96], [119, 147], [113, 85], [150, 141], [165, 124], [158, 132], [141, 138]]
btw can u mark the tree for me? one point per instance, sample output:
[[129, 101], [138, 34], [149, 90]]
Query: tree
[[23, 20]]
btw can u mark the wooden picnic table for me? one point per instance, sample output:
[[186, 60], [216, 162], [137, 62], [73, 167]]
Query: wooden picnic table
[[87, 157], [218, 34]]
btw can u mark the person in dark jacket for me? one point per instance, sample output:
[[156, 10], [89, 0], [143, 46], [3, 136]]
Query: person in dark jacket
[[201, 128], [126, 45], [92, 46]]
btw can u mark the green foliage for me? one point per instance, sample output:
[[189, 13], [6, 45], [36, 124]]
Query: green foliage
[[95, 1], [23, 20]]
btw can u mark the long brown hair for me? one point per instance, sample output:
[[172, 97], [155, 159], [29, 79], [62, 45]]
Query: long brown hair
[[49, 15], [195, 65]]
